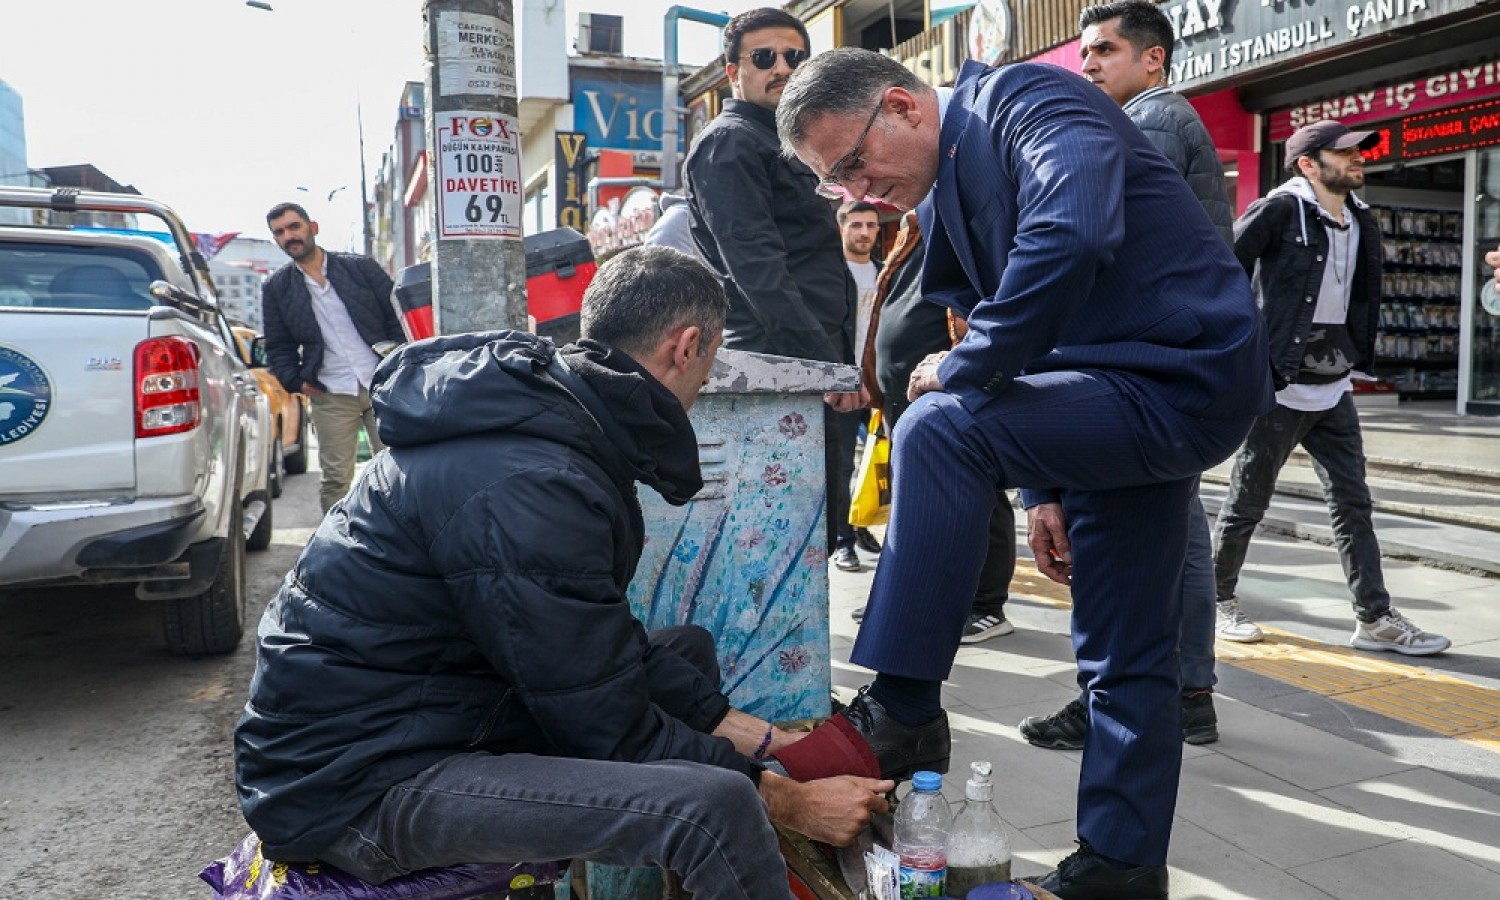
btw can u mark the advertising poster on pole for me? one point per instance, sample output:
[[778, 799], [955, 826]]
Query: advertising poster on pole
[[478, 175]]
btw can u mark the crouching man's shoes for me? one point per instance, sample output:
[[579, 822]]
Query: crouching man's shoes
[[901, 749], [1086, 876]]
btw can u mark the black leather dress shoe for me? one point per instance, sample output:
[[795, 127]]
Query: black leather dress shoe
[[900, 749], [1086, 876]]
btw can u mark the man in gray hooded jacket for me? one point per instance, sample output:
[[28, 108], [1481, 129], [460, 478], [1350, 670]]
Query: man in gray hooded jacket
[[1312, 249]]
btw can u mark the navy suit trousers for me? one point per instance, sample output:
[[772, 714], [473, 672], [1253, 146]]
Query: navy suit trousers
[[1125, 466]]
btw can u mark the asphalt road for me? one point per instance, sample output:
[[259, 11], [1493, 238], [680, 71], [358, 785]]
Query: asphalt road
[[115, 771]]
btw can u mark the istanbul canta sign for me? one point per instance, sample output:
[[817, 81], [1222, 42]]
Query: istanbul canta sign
[[1223, 39]]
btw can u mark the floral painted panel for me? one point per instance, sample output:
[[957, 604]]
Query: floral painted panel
[[746, 558]]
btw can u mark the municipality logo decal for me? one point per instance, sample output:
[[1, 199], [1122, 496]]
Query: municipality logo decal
[[25, 395]]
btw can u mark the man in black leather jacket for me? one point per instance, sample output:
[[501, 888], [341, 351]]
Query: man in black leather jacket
[[451, 672], [760, 225]]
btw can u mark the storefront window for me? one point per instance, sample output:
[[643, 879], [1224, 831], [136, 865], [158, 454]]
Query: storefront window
[[1484, 373]]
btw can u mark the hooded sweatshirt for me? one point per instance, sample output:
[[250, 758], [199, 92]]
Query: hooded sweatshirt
[[468, 595]]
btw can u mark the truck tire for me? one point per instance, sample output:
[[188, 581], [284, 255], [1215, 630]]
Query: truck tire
[[213, 621], [276, 475], [296, 463]]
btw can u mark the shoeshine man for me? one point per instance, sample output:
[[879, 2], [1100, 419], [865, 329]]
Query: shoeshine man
[[1104, 369]]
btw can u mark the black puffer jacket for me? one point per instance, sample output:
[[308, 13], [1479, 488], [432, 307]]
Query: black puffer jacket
[[469, 593], [772, 240], [294, 342], [1281, 242], [1175, 128]]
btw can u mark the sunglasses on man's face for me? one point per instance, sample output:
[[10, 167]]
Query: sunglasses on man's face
[[765, 58]]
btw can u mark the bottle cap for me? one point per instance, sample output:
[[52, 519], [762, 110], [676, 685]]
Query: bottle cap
[[927, 781], [979, 787]]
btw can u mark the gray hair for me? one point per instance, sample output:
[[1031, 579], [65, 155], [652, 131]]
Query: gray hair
[[840, 82], [641, 296]]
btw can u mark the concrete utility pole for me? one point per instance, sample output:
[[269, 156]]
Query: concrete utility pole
[[474, 151]]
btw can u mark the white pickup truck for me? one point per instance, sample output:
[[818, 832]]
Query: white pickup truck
[[134, 442]]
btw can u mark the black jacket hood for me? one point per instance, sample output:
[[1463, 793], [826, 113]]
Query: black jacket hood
[[587, 395]]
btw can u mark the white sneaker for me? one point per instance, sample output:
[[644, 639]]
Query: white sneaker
[[1232, 625], [1394, 631]]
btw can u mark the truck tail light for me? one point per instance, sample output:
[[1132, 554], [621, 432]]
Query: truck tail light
[[167, 399]]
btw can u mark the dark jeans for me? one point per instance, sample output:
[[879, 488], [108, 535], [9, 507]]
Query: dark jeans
[[1000, 559], [704, 823], [841, 430], [1332, 438]]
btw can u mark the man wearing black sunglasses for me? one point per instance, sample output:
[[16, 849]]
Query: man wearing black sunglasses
[[760, 224]]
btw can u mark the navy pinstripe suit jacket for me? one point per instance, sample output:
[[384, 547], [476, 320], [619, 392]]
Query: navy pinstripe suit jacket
[[1070, 243]]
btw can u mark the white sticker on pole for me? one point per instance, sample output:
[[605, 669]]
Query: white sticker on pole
[[476, 54], [478, 174]]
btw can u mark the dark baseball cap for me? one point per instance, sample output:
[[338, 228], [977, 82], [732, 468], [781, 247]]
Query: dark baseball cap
[[1325, 135]]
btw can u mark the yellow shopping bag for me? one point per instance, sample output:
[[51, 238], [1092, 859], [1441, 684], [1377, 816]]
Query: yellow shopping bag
[[871, 500]]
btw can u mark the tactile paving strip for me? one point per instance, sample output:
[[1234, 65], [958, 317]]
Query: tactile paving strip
[[1407, 693]]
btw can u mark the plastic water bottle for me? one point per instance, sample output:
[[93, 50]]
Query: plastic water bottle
[[978, 849], [922, 823]]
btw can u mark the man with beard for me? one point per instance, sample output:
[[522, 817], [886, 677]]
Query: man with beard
[[774, 243], [1313, 250], [325, 315]]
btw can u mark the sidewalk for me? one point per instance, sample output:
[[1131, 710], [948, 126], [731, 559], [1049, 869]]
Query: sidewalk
[[1338, 774]]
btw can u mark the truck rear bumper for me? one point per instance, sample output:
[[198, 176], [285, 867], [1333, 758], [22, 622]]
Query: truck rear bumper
[[48, 541]]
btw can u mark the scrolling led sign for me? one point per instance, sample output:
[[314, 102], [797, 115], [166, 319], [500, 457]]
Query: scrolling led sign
[[1452, 130]]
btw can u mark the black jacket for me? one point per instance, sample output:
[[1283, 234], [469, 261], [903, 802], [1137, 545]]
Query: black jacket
[[772, 240], [469, 593], [1281, 242], [1172, 125], [294, 342]]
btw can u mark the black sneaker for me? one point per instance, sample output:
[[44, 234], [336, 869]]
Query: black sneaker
[[983, 626], [1200, 725], [846, 560], [1063, 730], [1086, 876], [866, 541]]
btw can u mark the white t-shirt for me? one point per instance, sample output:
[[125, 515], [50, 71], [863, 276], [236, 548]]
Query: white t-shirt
[[864, 274]]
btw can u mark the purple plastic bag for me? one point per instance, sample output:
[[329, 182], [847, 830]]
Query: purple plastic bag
[[247, 875]]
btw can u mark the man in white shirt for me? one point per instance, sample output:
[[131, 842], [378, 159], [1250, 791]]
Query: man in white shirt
[[329, 320], [859, 230]]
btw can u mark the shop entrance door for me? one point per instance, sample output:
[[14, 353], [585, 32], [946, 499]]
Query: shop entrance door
[[1479, 392]]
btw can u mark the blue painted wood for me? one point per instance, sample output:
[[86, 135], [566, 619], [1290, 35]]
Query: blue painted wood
[[746, 558]]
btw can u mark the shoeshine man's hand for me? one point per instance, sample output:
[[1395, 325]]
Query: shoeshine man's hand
[[924, 378], [746, 732], [1047, 535], [831, 810]]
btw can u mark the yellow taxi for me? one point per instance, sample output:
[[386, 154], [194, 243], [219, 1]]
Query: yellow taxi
[[289, 411]]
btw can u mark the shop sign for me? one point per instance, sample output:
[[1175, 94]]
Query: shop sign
[[1462, 84], [1436, 133], [1222, 39], [568, 173], [619, 115]]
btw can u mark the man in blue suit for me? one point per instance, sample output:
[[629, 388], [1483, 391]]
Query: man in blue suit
[[1114, 353]]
